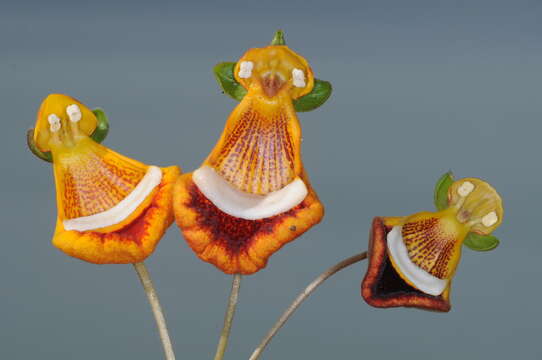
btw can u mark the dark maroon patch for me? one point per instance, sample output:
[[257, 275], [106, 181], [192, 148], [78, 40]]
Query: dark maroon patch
[[137, 229], [383, 287], [233, 233]]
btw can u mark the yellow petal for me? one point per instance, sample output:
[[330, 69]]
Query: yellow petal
[[58, 104], [477, 204]]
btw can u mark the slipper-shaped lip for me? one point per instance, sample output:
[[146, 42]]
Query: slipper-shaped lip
[[123, 209], [420, 278], [244, 205]]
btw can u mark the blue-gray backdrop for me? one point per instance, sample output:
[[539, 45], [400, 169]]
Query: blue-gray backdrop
[[421, 87]]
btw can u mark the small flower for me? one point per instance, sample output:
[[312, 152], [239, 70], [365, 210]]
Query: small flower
[[111, 209], [251, 195], [412, 259]]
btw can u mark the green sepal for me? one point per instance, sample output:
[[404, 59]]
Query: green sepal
[[278, 38], [99, 134], [441, 190], [102, 126], [45, 156], [316, 98], [224, 75], [481, 242]]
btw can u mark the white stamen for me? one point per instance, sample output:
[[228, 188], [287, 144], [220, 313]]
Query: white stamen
[[465, 188], [490, 219], [53, 119], [298, 77], [54, 122], [123, 209], [245, 69], [74, 113], [244, 205], [421, 279]]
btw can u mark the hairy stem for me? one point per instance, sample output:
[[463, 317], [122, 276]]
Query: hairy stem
[[228, 319], [145, 279], [302, 297]]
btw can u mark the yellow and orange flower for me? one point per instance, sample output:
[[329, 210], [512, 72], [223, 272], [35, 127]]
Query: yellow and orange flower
[[251, 195], [111, 209], [412, 259]]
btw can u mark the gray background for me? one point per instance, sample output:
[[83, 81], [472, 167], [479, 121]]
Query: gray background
[[420, 88]]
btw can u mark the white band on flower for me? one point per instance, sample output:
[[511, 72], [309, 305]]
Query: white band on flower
[[244, 205]]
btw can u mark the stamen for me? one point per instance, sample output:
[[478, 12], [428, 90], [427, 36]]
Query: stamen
[[490, 219], [465, 189], [298, 78], [245, 69], [74, 113], [54, 122], [53, 119]]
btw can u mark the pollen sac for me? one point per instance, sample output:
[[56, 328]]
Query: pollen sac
[[74, 113], [245, 69], [477, 203]]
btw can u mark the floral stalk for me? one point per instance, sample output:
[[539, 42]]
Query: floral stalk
[[302, 297], [146, 281], [228, 319]]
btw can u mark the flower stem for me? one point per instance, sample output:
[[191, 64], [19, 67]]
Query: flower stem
[[145, 279], [228, 319], [302, 297]]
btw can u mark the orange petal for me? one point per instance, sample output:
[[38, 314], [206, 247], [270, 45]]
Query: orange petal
[[134, 241], [259, 150], [91, 178], [232, 244], [383, 287]]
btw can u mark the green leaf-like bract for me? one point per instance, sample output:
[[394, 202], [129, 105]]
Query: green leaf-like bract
[[102, 127], [316, 98], [45, 156], [99, 135], [441, 190], [225, 77], [481, 242]]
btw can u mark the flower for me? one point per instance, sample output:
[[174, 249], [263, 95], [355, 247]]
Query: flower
[[251, 195], [111, 209], [412, 259]]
